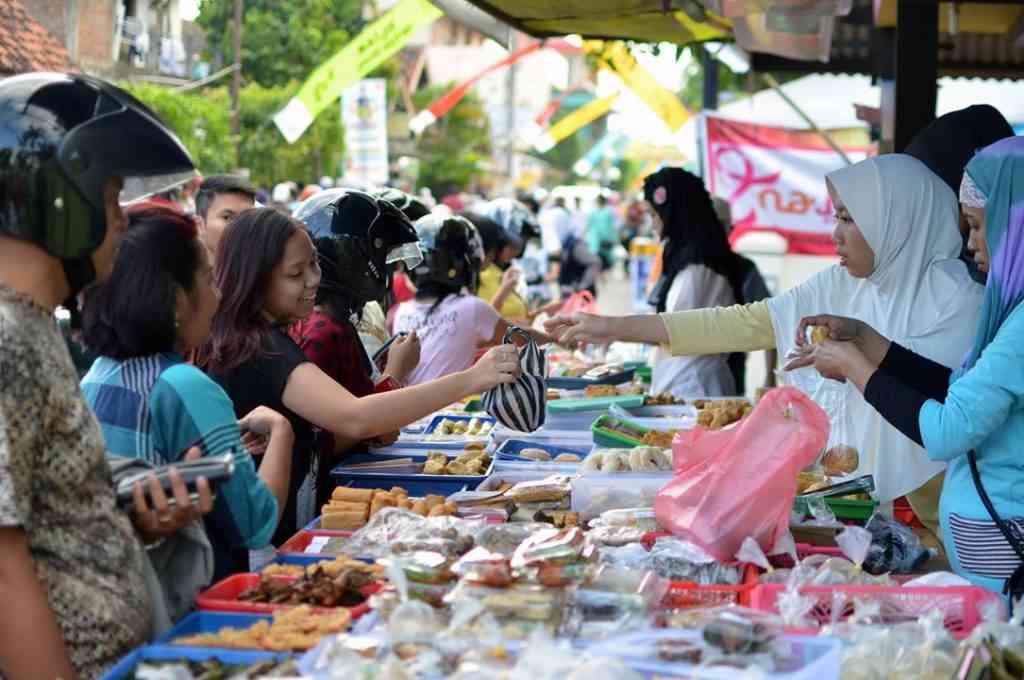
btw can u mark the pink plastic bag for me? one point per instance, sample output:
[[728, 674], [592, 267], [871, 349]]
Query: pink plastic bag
[[739, 482]]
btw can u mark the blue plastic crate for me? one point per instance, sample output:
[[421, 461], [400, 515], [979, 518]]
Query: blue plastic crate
[[197, 623], [415, 483], [126, 665], [583, 383], [510, 449], [419, 441]]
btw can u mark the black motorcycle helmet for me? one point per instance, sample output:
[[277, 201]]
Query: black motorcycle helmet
[[452, 253], [62, 137], [411, 206], [357, 238]]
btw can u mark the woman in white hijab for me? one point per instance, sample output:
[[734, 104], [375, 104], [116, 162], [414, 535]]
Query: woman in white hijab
[[898, 240]]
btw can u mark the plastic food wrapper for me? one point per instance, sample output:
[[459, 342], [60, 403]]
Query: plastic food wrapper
[[632, 556], [505, 538], [819, 570], [481, 565], [920, 650], [821, 514], [550, 546], [520, 601], [795, 608], [394, 530], [680, 560], [939, 579], [895, 548], [423, 566], [543, 658], [708, 500], [698, 617], [995, 646], [638, 518], [615, 536], [751, 553], [550, 489]]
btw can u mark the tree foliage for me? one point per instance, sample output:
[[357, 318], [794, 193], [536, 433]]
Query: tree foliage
[[281, 41], [202, 121], [451, 150]]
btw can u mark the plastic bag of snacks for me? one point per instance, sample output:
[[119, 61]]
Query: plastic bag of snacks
[[708, 500]]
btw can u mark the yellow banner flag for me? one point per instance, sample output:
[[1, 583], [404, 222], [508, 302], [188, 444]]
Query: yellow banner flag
[[368, 50], [615, 55], [574, 121]]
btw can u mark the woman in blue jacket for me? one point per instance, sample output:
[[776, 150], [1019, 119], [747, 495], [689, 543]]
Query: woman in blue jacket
[[972, 418]]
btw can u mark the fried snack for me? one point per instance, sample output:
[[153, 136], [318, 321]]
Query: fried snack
[[457, 469], [345, 493], [567, 458], [380, 502], [293, 630], [818, 334], [535, 454], [437, 511], [450, 507], [595, 391], [647, 459], [663, 399], [420, 507], [405, 503], [659, 439], [435, 466], [344, 506], [434, 500], [549, 489], [551, 395], [398, 491], [807, 481], [840, 460], [475, 446], [343, 521]]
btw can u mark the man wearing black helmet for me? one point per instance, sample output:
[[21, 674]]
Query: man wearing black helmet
[[70, 563]]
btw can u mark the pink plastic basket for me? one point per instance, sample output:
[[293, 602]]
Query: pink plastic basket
[[959, 605]]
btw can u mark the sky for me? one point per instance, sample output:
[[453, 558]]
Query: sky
[[189, 9]]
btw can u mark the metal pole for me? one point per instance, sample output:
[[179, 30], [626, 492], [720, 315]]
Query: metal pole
[[511, 119], [710, 68], [236, 86], [774, 84]]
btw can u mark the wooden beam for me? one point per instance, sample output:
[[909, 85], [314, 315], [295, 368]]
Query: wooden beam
[[917, 69]]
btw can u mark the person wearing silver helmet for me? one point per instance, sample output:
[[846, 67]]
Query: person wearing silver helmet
[[72, 150]]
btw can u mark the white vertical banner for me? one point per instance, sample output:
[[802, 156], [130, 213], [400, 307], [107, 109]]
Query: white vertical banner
[[365, 116]]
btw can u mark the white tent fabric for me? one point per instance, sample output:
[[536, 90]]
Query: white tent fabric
[[829, 101]]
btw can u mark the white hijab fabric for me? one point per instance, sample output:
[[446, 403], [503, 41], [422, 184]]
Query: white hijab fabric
[[920, 296]]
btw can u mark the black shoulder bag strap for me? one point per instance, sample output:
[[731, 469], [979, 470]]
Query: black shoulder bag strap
[[1014, 586]]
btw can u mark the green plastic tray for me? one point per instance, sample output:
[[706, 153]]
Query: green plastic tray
[[609, 438], [594, 404], [843, 508]]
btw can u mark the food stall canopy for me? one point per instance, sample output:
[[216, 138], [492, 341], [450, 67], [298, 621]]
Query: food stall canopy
[[640, 20]]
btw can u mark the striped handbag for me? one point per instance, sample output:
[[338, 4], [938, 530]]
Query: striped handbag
[[522, 405]]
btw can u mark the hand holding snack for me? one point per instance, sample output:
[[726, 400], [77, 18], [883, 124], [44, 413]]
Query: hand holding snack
[[155, 519]]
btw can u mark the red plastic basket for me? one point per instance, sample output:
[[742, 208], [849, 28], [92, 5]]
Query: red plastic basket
[[683, 595], [959, 605], [223, 597]]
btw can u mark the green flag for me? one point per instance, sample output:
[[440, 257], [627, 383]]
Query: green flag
[[368, 50]]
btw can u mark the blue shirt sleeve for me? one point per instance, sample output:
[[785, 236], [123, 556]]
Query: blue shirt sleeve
[[189, 409], [980, 401]]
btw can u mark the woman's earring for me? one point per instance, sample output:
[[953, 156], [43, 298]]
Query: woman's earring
[[177, 324]]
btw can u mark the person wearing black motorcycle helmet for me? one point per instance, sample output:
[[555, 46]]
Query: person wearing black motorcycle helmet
[[71, 565], [453, 324], [402, 288], [329, 336]]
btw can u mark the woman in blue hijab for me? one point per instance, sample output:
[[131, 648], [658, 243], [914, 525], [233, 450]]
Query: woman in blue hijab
[[972, 418]]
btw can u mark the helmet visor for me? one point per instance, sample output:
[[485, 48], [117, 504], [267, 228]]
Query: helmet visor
[[409, 254], [138, 188]]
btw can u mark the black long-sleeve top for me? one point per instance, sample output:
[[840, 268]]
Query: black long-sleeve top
[[902, 384]]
